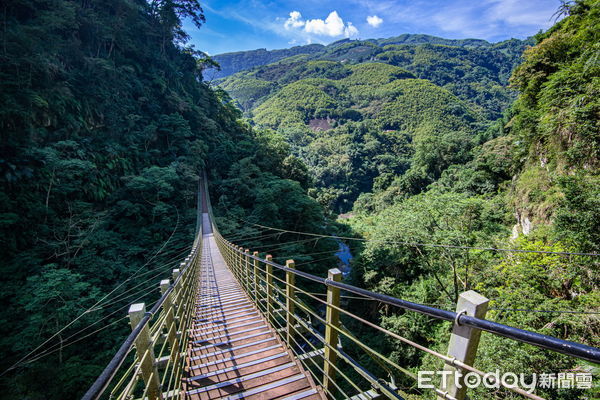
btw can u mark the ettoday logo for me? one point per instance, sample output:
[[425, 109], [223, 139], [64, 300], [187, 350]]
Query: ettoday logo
[[495, 380]]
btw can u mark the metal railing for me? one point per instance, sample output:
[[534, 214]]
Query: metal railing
[[160, 339], [311, 327]]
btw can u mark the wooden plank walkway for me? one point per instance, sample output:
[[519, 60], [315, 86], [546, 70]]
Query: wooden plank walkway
[[233, 352]]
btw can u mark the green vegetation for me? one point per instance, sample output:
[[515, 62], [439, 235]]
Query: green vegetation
[[433, 95], [105, 125], [230, 63], [529, 164], [418, 140]]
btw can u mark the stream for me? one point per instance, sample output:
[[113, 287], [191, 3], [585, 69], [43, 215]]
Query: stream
[[344, 257]]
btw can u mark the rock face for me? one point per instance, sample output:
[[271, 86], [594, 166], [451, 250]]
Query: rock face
[[523, 225], [320, 124]]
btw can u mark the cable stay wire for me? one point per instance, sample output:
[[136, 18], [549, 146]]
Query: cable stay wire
[[316, 261], [253, 235], [435, 245], [163, 268], [546, 311], [283, 245], [144, 292], [292, 256], [49, 349], [261, 237], [124, 296], [489, 309], [22, 359], [75, 341]]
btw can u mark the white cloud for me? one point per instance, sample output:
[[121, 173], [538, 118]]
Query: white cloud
[[350, 30], [374, 21], [485, 19], [517, 12], [332, 26], [294, 21]]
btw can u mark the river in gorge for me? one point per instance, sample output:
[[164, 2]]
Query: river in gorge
[[344, 257]]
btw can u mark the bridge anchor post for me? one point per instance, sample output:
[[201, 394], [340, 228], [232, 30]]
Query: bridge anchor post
[[463, 342]]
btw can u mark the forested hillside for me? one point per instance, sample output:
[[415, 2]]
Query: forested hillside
[[451, 153], [533, 185], [360, 113], [432, 144], [105, 126], [230, 63]]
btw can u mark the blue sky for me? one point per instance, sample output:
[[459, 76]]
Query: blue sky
[[234, 25]]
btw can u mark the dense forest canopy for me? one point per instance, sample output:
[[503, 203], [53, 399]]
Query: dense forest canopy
[[109, 116], [469, 145], [528, 184], [359, 113], [105, 126]]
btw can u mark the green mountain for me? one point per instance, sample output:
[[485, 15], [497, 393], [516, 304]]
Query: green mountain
[[465, 182], [105, 126], [359, 113], [434, 156], [533, 186], [230, 63]]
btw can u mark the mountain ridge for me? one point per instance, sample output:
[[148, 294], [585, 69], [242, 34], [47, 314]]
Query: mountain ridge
[[233, 62]]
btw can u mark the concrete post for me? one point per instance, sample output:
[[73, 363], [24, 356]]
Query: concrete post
[[142, 344], [463, 342]]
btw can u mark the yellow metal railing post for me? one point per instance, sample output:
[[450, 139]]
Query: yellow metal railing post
[[231, 259], [229, 252], [234, 260], [290, 293], [269, 280], [247, 270], [143, 345], [256, 296], [241, 265], [170, 314], [332, 317], [238, 266]]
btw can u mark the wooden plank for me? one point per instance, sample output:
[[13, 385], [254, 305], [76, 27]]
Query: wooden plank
[[233, 352]]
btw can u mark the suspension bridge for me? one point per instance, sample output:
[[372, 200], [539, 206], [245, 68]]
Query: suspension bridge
[[232, 325]]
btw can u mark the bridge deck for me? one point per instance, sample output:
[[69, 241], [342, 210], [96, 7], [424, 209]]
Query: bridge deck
[[233, 352]]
